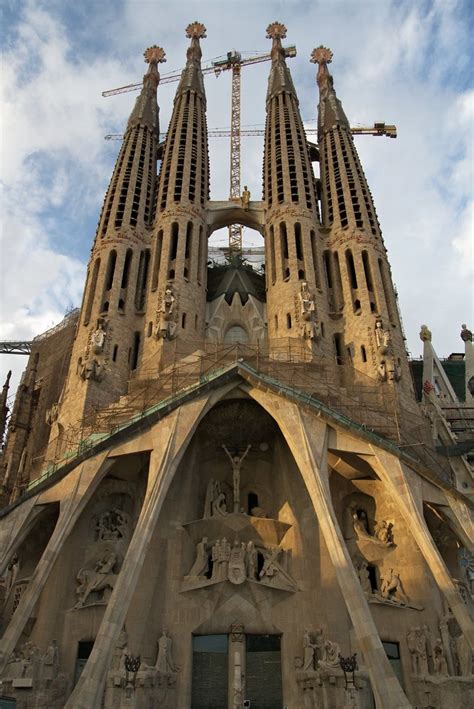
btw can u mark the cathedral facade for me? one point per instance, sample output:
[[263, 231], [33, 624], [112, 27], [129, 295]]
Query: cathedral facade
[[219, 489]]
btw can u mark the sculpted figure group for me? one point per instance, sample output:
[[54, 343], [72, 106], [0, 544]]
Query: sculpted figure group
[[387, 367], [30, 662], [96, 579], [310, 327], [238, 561], [319, 652]]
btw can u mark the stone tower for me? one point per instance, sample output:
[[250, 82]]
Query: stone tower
[[296, 294], [109, 331], [177, 288], [367, 331], [258, 504]]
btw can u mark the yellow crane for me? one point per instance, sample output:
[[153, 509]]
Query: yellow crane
[[233, 62]]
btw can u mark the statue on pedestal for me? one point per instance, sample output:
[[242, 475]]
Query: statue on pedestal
[[417, 645], [308, 649], [201, 564], [245, 198], [164, 661], [391, 588]]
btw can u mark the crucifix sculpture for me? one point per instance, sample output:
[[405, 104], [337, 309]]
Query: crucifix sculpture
[[236, 461]]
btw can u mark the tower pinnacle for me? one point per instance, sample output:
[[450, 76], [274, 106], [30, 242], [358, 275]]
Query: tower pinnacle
[[191, 78], [331, 112], [280, 79], [145, 111]]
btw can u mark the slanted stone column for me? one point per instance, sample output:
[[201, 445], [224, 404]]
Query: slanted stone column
[[395, 476], [82, 482], [11, 527], [463, 518], [307, 439], [170, 438]]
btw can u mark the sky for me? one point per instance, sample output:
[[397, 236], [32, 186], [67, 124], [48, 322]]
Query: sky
[[404, 62]]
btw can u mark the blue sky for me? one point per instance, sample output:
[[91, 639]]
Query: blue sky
[[406, 63]]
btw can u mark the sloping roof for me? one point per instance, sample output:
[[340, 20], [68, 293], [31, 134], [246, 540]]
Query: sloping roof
[[227, 280], [214, 380]]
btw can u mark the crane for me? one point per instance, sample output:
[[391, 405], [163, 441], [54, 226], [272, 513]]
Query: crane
[[232, 61], [378, 129]]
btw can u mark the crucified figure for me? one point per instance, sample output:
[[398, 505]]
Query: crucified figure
[[236, 461]]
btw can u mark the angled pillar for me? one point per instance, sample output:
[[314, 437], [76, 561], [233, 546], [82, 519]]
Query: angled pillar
[[394, 474], [170, 440], [307, 440], [82, 483], [462, 516], [12, 528]]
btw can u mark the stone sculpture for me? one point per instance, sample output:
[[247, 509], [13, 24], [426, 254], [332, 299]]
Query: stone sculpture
[[98, 338], [92, 369], [236, 461], [391, 588], [331, 652], [308, 650], [201, 564], [164, 661], [220, 557], [166, 311], [215, 503], [51, 661], [362, 569], [111, 525], [387, 368], [383, 532], [310, 328], [425, 334], [238, 562], [440, 665], [52, 414], [237, 571], [96, 579], [466, 335], [251, 561], [272, 573], [417, 646], [245, 198]]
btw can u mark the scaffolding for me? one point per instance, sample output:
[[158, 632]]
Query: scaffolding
[[343, 393]]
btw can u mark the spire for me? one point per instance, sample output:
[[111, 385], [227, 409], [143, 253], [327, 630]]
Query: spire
[[331, 112], [280, 79], [191, 78], [146, 111]]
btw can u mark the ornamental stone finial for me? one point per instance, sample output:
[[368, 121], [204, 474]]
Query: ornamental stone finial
[[466, 335], [154, 54], [321, 55], [425, 334], [276, 30], [196, 30]]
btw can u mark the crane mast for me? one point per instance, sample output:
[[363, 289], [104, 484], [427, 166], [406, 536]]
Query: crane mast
[[233, 61], [235, 230]]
